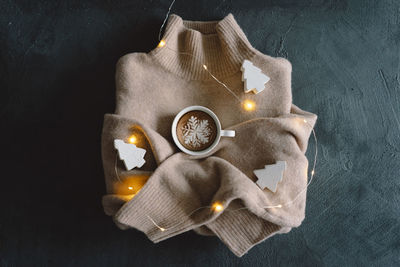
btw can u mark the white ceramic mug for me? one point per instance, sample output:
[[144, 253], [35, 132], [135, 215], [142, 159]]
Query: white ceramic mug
[[220, 132]]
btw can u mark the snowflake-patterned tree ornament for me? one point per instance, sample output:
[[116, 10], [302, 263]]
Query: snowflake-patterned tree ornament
[[196, 132]]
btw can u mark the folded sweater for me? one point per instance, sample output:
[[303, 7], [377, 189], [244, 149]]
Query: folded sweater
[[172, 192]]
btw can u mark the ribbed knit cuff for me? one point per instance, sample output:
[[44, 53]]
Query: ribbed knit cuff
[[152, 210], [241, 230]]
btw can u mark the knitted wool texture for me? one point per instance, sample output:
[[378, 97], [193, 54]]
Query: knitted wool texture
[[153, 87]]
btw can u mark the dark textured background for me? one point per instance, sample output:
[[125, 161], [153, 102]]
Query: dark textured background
[[57, 63]]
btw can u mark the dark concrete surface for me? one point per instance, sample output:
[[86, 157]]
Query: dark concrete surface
[[57, 63]]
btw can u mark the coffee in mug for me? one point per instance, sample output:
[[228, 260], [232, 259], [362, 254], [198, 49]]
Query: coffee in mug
[[196, 130]]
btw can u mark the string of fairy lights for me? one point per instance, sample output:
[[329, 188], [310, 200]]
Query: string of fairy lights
[[247, 105]]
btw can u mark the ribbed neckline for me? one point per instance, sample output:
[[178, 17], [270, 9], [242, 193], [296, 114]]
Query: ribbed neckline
[[220, 44]]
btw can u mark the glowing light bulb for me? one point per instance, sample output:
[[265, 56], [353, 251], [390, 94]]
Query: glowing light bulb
[[249, 105], [205, 67], [162, 229], [312, 172], [161, 43], [130, 187], [133, 139], [279, 206], [217, 207], [305, 120]]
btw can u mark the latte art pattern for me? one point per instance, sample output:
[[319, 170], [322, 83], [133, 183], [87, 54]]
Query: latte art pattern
[[196, 132]]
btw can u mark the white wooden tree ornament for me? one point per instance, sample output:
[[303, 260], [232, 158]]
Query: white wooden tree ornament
[[254, 80], [130, 154], [271, 175]]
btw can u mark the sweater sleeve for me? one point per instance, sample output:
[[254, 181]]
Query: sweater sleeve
[[180, 192]]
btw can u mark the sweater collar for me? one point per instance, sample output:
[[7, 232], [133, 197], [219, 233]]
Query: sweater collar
[[219, 44]]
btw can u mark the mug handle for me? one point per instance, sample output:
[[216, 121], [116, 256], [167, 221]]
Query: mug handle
[[228, 133]]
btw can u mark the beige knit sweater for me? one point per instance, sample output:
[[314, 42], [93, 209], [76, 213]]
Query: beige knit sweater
[[153, 87]]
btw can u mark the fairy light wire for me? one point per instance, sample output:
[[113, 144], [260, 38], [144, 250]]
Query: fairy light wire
[[220, 206], [115, 167], [165, 19], [159, 227], [223, 84]]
